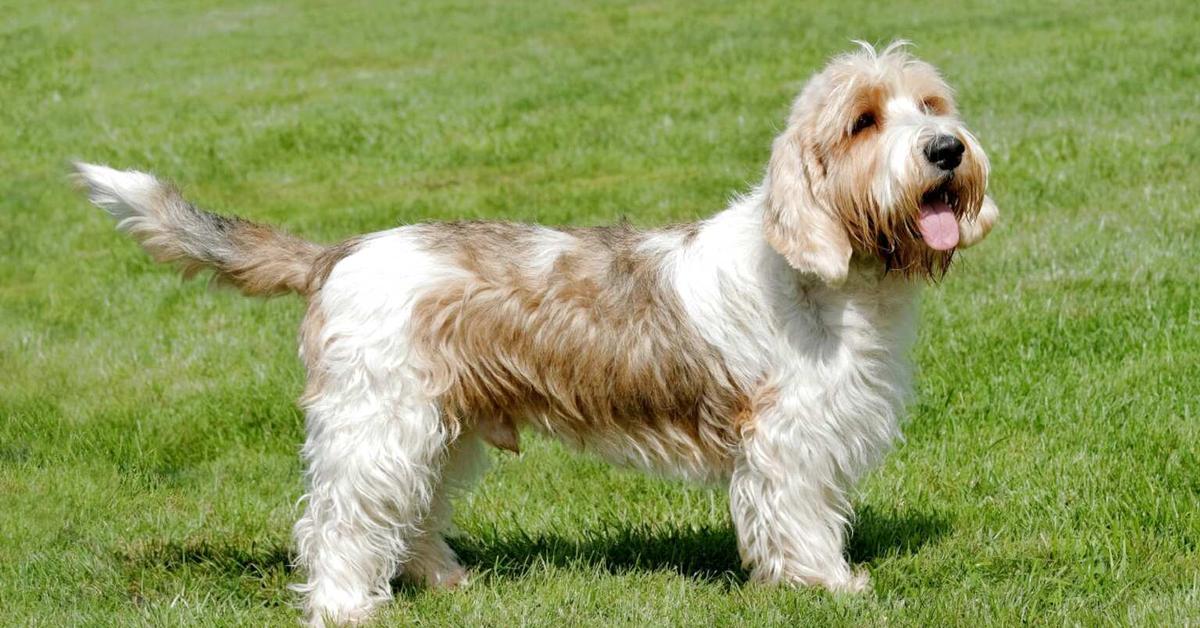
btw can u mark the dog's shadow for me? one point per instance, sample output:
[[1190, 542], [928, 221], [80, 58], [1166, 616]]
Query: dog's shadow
[[704, 553]]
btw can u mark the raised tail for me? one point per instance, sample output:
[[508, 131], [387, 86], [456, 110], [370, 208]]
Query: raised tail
[[257, 259]]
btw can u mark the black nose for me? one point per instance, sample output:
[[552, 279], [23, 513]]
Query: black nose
[[945, 152]]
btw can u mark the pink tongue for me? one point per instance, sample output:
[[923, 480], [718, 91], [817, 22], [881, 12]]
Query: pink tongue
[[938, 226]]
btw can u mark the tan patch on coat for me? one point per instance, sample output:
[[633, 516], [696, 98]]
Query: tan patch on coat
[[762, 399], [312, 348], [592, 346], [323, 264], [267, 261]]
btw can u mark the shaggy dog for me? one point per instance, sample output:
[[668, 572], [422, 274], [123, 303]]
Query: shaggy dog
[[763, 348]]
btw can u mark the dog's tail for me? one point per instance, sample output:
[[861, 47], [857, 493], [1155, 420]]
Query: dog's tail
[[257, 259]]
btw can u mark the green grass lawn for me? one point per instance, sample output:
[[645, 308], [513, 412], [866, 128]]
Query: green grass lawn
[[149, 436]]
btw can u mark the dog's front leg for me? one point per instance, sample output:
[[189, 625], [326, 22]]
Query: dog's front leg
[[788, 502]]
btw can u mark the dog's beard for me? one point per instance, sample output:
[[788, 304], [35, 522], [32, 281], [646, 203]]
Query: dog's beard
[[911, 257], [911, 249]]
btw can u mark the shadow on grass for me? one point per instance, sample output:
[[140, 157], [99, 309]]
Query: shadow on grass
[[256, 573], [889, 534], [707, 554], [218, 556], [702, 553]]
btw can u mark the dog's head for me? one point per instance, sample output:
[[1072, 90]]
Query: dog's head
[[876, 160]]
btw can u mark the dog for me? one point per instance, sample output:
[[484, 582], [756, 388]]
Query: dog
[[765, 348]]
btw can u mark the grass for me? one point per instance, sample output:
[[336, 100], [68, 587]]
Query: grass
[[148, 440]]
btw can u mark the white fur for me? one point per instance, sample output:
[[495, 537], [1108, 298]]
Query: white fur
[[125, 194], [376, 446], [837, 358], [375, 441]]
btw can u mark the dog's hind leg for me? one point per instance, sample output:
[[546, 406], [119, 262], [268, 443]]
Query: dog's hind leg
[[432, 562], [375, 447]]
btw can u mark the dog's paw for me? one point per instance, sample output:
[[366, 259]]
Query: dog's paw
[[452, 578], [844, 580], [436, 575], [859, 581], [331, 617]]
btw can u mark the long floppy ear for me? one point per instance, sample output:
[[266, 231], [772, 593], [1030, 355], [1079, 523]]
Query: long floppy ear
[[796, 225], [971, 231]]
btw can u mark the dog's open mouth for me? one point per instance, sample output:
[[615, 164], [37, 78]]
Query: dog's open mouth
[[937, 222]]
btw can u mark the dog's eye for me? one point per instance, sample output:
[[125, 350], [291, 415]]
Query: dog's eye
[[865, 121], [931, 106]]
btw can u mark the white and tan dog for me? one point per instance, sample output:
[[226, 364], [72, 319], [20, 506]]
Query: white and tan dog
[[764, 348]]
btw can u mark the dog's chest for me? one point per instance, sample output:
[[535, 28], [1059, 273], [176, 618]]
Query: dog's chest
[[845, 369]]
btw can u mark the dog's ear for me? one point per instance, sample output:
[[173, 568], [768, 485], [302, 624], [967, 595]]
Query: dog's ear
[[796, 225], [972, 230]]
